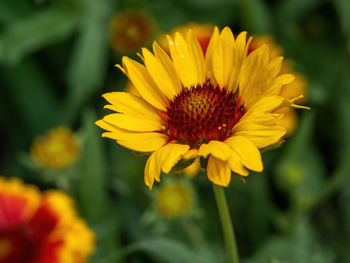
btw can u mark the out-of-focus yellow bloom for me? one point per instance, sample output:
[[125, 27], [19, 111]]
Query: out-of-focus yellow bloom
[[294, 175], [130, 30], [57, 150], [173, 200], [41, 228]]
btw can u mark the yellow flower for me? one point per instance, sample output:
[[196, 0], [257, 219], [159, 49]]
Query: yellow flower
[[57, 150], [221, 105], [173, 200], [131, 30], [41, 227]]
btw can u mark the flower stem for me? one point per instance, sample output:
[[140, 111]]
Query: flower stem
[[226, 223]]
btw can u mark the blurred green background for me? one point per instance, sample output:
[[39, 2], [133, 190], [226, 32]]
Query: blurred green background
[[56, 61]]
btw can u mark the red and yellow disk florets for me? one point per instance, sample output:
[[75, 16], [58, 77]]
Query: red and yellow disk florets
[[203, 113]]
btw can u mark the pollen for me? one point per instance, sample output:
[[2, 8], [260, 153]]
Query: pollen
[[203, 113]]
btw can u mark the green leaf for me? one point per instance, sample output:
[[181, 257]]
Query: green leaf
[[88, 63], [10, 10], [92, 185], [107, 232], [92, 190], [35, 109], [343, 9], [31, 33]]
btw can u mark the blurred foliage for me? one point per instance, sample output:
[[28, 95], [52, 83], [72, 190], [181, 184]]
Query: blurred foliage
[[55, 64]]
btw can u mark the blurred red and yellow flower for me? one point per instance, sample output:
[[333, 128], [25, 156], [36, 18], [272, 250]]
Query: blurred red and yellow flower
[[221, 105], [57, 150], [130, 30], [40, 228]]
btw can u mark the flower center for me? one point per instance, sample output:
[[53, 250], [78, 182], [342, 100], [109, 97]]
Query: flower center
[[203, 113]]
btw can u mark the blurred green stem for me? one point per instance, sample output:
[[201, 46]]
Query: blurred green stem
[[226, 223]]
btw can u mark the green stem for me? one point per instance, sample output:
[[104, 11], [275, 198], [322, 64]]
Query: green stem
[[226, 223]]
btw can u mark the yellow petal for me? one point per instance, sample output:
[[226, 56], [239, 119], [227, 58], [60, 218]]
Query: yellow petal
[[258, 75], [137, 141], [223, 60], [144, 142], [218, 171], [144, 84], [159, 74], [190, 71], [218, 149], [104, 125], [210, 50], [191, 154], [262, 136], [192, 170], [248, 153], [264, 112], [289, 120], [110, 135], [278, 83], [228, 57], [267, 104], [239, 55], [168, 65], [152, 169], [121, 68], [131, 105], [171, 154], [197, 54], [236, 166], [132, 123]]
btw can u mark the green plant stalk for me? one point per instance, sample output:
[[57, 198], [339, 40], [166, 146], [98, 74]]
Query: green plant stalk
[[226, 223]]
